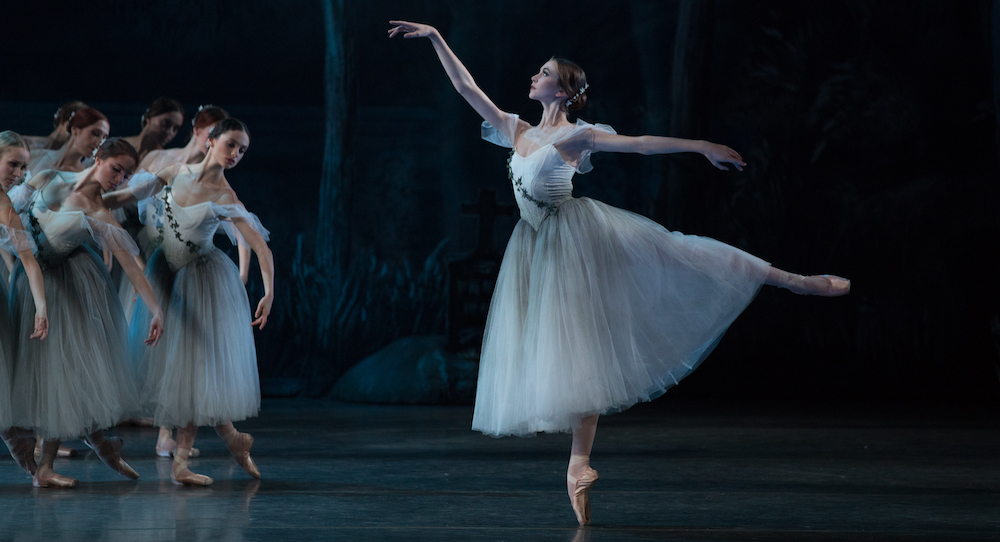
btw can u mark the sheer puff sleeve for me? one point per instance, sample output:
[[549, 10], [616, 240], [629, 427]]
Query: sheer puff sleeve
[[236, 211], [502, 135], [20, 196], [15, 241], [583, 165], [111, 237]]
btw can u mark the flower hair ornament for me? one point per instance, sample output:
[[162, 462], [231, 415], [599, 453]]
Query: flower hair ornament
[[200, 107], [576, 96]]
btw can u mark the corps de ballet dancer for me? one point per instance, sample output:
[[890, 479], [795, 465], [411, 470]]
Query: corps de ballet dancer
[[14, 153], [77, 382], [595, 308], [60, 128], [205, 372], [159, 125], [88, 128]]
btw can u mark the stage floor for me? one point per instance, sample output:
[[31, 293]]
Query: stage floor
[[670, 470]]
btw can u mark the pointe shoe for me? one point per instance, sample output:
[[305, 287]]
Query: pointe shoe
[[821, 285], [168, 446], [109, 450], [581, 494], [21, 449], [239, 446], [180, 474], [46, 477]]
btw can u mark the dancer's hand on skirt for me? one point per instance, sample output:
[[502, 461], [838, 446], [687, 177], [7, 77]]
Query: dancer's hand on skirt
[[41, 326], [155, 329], [721, 154], [263, 309]]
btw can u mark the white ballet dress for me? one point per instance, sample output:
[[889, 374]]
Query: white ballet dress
[[205, 368], [12, 241], [77, 380], [595, 308]]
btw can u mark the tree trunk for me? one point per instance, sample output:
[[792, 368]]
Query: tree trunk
[[332, 224]]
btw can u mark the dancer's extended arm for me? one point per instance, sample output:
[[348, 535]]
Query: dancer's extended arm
[[459, 75], [597, 141]]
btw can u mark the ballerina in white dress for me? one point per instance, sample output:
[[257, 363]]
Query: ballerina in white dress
[[595, 308], [13, 239], [60, 128], [207, 372], [77, 382], [88, 128]]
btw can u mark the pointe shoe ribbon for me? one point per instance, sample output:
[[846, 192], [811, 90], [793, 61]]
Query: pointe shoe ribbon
[[167, 448], [45, 476], [581, 494], [109, 450], [239, 445], [180, 474]]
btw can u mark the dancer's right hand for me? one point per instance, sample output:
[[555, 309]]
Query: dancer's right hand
[[410, 30], [155, 329], [41, 326], [263, 310]]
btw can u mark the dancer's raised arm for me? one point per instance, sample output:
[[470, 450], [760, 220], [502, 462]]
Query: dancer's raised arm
[[459, 75]]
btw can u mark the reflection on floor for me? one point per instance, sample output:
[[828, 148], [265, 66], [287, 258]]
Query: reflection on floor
[[669, 471]]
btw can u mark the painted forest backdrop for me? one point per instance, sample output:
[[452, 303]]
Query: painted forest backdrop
[[870, 128]]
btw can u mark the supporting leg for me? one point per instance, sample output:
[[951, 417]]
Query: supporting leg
[[239, 445], [179, 473], [44, 475], [580, 478]]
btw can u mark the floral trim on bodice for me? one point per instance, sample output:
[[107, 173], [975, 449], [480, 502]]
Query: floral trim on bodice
[[518, 185], [169, 214], [42, 257]]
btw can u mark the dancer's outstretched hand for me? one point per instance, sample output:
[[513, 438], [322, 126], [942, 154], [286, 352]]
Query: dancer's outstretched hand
[[41, 327], [721, 154], [410, 30], [263, 310], [155, 329]]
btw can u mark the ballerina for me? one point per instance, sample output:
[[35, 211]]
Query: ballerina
[[160, 123], [60, 128], [77, 382], [149, 238], [88, 128], [13, 165], [207, 372], [595, 308]]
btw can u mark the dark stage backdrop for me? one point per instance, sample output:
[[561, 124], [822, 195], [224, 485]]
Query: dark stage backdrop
[[870, 129]]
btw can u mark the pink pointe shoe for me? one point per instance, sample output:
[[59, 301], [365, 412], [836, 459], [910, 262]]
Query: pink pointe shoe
[[45, 476], [166, 447], [109, 450], [581, 494], [239, 445]]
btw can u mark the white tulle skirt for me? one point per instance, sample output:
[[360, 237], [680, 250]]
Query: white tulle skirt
[[6, 358], [77, 380], [205, 367], [598, 310]]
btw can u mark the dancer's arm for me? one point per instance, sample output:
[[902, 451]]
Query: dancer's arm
[[264, 258], [597, 141], [132, 194], [459, 75], [32, 271], [137, 278]]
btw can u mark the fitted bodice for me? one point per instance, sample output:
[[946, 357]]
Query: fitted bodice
[[542, 181]]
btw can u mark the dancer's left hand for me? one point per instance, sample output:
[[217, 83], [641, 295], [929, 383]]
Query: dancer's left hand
[[41, 327], [263, 310], [721, 154], [155, 329]]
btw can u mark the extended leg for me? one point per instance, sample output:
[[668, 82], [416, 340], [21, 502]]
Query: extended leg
[[21, 449], [239, 445], [109, 450], [580, 478]]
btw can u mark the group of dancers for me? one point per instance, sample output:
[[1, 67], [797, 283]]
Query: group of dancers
[[594, 310], [78, 352]]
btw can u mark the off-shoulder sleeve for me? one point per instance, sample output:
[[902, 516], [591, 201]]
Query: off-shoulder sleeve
[[583, 165], [144, 184], [15, 241], [502, 135], [236, 211], [111, 237], [20, 196]]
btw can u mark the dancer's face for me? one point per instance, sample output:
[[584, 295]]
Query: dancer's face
[[87, 139], [113, 171], [227, 150], [13, 164], [163, 127], [545, 84]]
